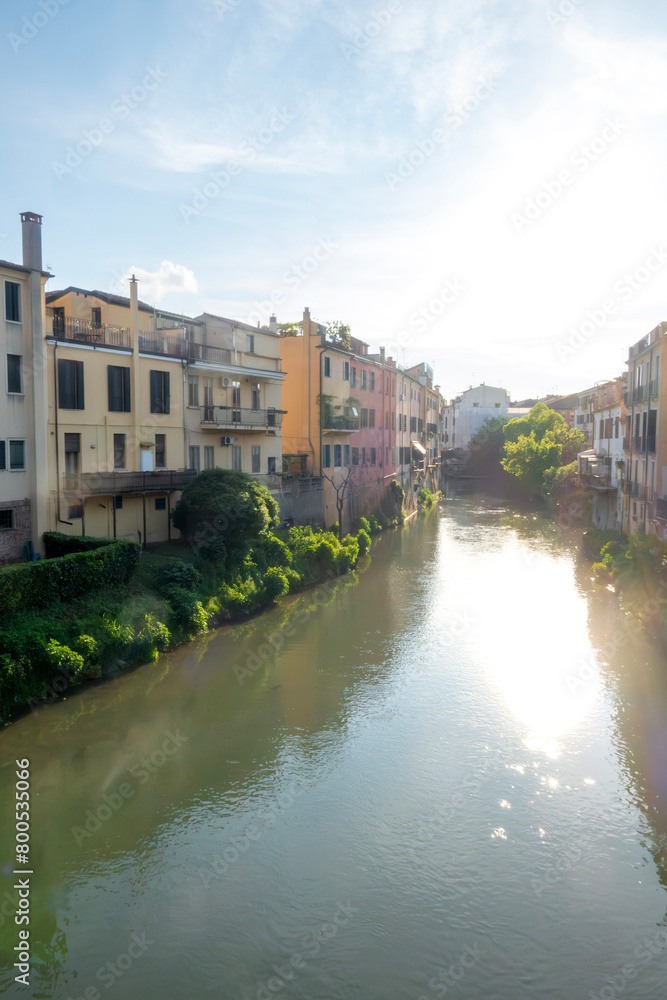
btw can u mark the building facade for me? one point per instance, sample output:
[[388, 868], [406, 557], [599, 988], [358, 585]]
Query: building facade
[[601, 467], [467, 413]]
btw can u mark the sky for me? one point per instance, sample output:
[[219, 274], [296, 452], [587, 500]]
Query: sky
[[476, 184]]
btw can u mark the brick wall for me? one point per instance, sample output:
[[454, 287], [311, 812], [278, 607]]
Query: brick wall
[[12, 540]]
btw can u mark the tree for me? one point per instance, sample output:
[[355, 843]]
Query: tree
[[290, 329], [223, 513], [339, 333], [486, 446], [342, 490], [537, 443]]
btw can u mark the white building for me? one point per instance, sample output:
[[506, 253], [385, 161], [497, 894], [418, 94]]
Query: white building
[[602, 466], [466, 414]]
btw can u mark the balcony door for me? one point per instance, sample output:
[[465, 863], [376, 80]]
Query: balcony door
[[147, 463]]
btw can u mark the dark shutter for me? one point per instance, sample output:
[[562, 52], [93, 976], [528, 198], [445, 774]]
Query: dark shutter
[[3, 457], [113, 382], [127, 400], [70, 385], [80, 404]]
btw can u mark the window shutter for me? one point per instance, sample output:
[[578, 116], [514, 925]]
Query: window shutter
[[127, 400], [167, 398], [3, 458], [80, 403]]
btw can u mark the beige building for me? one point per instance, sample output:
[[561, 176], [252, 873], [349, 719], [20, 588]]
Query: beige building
[[22, 396], [142, 399]]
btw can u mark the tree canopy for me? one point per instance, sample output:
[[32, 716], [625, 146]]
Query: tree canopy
[[539, 442], [223, 512], [486, 446], [339, 333]]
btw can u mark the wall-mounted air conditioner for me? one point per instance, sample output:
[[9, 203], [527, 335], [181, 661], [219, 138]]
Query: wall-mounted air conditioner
[[226, 440], [225, 382]]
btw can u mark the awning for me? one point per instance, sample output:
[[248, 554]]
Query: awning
[[419, 447]]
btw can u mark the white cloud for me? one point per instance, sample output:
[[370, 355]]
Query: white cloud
[[154, 285]]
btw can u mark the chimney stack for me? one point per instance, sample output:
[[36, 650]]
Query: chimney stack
[[382, 355], [273, 323], [32, 240]]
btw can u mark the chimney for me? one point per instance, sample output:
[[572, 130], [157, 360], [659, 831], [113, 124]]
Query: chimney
[[382, 355], [32, 240], [273, 323]]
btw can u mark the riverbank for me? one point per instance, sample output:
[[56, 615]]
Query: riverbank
[[60, 640]]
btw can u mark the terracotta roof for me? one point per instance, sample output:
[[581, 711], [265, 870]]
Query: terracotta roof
[[21, 267], [113, 300]]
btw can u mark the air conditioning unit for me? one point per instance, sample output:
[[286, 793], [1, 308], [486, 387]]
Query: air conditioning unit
[[226, 441], [225, 382], [271, 433]]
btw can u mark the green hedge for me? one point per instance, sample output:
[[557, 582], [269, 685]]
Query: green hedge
[[38, 584], [57, 544]]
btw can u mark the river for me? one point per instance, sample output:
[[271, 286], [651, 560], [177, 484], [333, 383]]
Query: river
[[442, 782]]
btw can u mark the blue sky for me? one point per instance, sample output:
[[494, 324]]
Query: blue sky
[[475, 184]]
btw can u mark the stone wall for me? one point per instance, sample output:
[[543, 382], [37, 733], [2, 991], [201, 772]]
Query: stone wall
[[13, 539]]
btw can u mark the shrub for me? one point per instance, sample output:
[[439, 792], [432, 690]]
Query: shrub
[[65, 578], [275, 583], [364, 525], [57, 544], [187, 614], [63, 660], [276, 552], [426, 499], [177, 573], [364, 540]]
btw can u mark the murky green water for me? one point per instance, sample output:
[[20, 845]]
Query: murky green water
[[442, 785]]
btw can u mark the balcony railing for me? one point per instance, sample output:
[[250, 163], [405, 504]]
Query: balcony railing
[[239, 418], [156, 343], [661, 508], [84, 332], [653, 389], [114, 483], [340, 424], [640, 394]]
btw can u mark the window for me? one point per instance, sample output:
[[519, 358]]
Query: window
[[72, 450], [14, 379], [393, 421], [256, 459], [194, 457], [372, 382], [96, 316], [373, 456], [236, 458], [160, 503], [193, 390], [413, 424], [12, 302], [250, 343], [209, 456], [160, 451], [363, 456], [371, 418], [327, 366], [326, 456], [119, 451], [338, 456], [6, 520], [160, 399], [75, 512], [236, 394], [3, 456], [386, 456], [272, 465], [364, 379], [118, 502], [208, 399], [346, 371], [353, 379], [70, 385], [346, 456], [386, 421], [16, 455], [364, 417], [118, 382], [355, 456], [256, 401]]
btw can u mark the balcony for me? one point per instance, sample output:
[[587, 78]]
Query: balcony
[[116, 483], [640, 394], [340, 425], [82, 331], [158, 343], [238, 418], [653, 389], [661, 508]]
